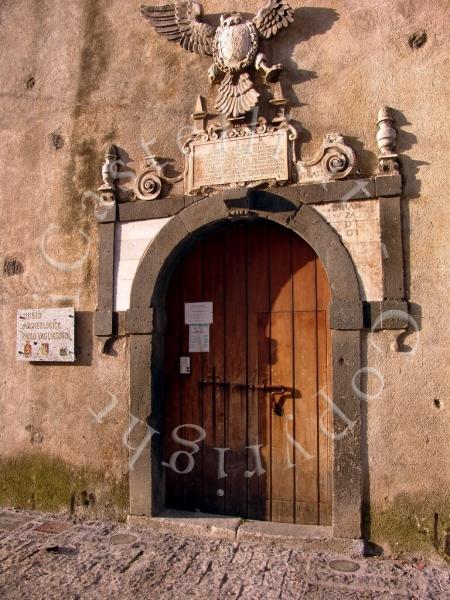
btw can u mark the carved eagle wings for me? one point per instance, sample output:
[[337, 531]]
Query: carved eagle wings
[[181, 22]]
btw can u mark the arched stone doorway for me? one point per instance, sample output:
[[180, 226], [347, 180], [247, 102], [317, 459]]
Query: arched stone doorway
[[147, 488]]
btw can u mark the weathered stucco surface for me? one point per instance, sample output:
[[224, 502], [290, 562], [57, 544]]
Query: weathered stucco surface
[[81, 74]]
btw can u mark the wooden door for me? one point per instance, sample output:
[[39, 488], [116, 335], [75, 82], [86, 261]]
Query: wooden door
[[246, 432]]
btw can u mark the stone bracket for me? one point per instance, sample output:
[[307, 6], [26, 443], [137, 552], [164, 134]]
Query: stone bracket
[[104, 323], [386, 314], [375, 316]]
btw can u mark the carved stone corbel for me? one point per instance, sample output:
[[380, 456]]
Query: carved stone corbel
[[386, 140], [149, 181], [335, 160]]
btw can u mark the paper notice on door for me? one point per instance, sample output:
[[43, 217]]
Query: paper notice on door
[[199, 338], [198, 313], [185, 365]]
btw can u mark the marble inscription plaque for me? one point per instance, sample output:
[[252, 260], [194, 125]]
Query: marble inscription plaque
[[46, 335], [259, 157], [358, 225]]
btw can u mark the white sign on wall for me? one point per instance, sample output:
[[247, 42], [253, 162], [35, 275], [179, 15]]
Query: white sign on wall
[[46, 335], [198, 313], [199, 338]]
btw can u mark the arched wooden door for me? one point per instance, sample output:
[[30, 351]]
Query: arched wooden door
[[258, 397]]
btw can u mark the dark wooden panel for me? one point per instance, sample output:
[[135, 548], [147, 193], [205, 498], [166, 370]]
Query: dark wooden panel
[[191, 393], [258, 370], [236, 369], [213, 367], [172, 408]]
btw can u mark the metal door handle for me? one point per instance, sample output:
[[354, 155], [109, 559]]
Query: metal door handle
[[262, 387], [274, 390]]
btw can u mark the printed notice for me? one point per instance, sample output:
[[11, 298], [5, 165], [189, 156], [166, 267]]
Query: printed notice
[[185, 365], [198, 313], [199, 338]]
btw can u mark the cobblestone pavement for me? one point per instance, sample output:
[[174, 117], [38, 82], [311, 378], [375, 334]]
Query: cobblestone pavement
[[70, 559]]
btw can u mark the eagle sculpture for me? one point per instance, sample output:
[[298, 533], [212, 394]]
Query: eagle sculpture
[[234, 46]]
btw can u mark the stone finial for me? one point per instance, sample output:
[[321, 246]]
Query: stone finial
[[109, 174], [386, 134], [280, 102], [109, 169], [200, 115], [386, 140]]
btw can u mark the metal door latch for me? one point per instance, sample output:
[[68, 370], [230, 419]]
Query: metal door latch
[[274, 390]]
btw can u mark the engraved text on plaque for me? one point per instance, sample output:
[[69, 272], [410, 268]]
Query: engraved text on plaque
[[239, 160]]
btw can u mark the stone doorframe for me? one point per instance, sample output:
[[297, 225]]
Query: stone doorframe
[[146, 324]]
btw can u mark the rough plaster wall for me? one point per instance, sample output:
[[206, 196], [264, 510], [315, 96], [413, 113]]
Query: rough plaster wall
[[101, 74]]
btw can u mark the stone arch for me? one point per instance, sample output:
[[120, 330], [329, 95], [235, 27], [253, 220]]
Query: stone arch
[[202, 216], [146, 325]]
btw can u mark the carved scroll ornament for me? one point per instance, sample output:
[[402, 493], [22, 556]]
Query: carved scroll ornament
[[335, 160], [149, 181]]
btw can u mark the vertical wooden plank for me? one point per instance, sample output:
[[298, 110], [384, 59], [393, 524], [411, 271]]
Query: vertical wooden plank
[[323, 287], [236, 369], [306, 435], [191, 392], [258, 369], [305, 352], [172, 403], [303, 275], [281, 360], [213, 366], [325, 413]]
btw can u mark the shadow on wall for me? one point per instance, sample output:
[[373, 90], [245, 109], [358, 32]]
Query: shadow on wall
[[410, 168], [84, 321], [412, 185], [366, 161], [309, 21]]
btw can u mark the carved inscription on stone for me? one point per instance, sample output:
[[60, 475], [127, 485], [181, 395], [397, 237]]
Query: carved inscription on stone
[[240, 160], [358, 224]]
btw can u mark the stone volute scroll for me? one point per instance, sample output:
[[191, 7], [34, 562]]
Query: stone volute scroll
[[150, 180], [335, 160]]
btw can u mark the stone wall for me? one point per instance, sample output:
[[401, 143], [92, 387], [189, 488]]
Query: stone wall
[[81, 74]]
